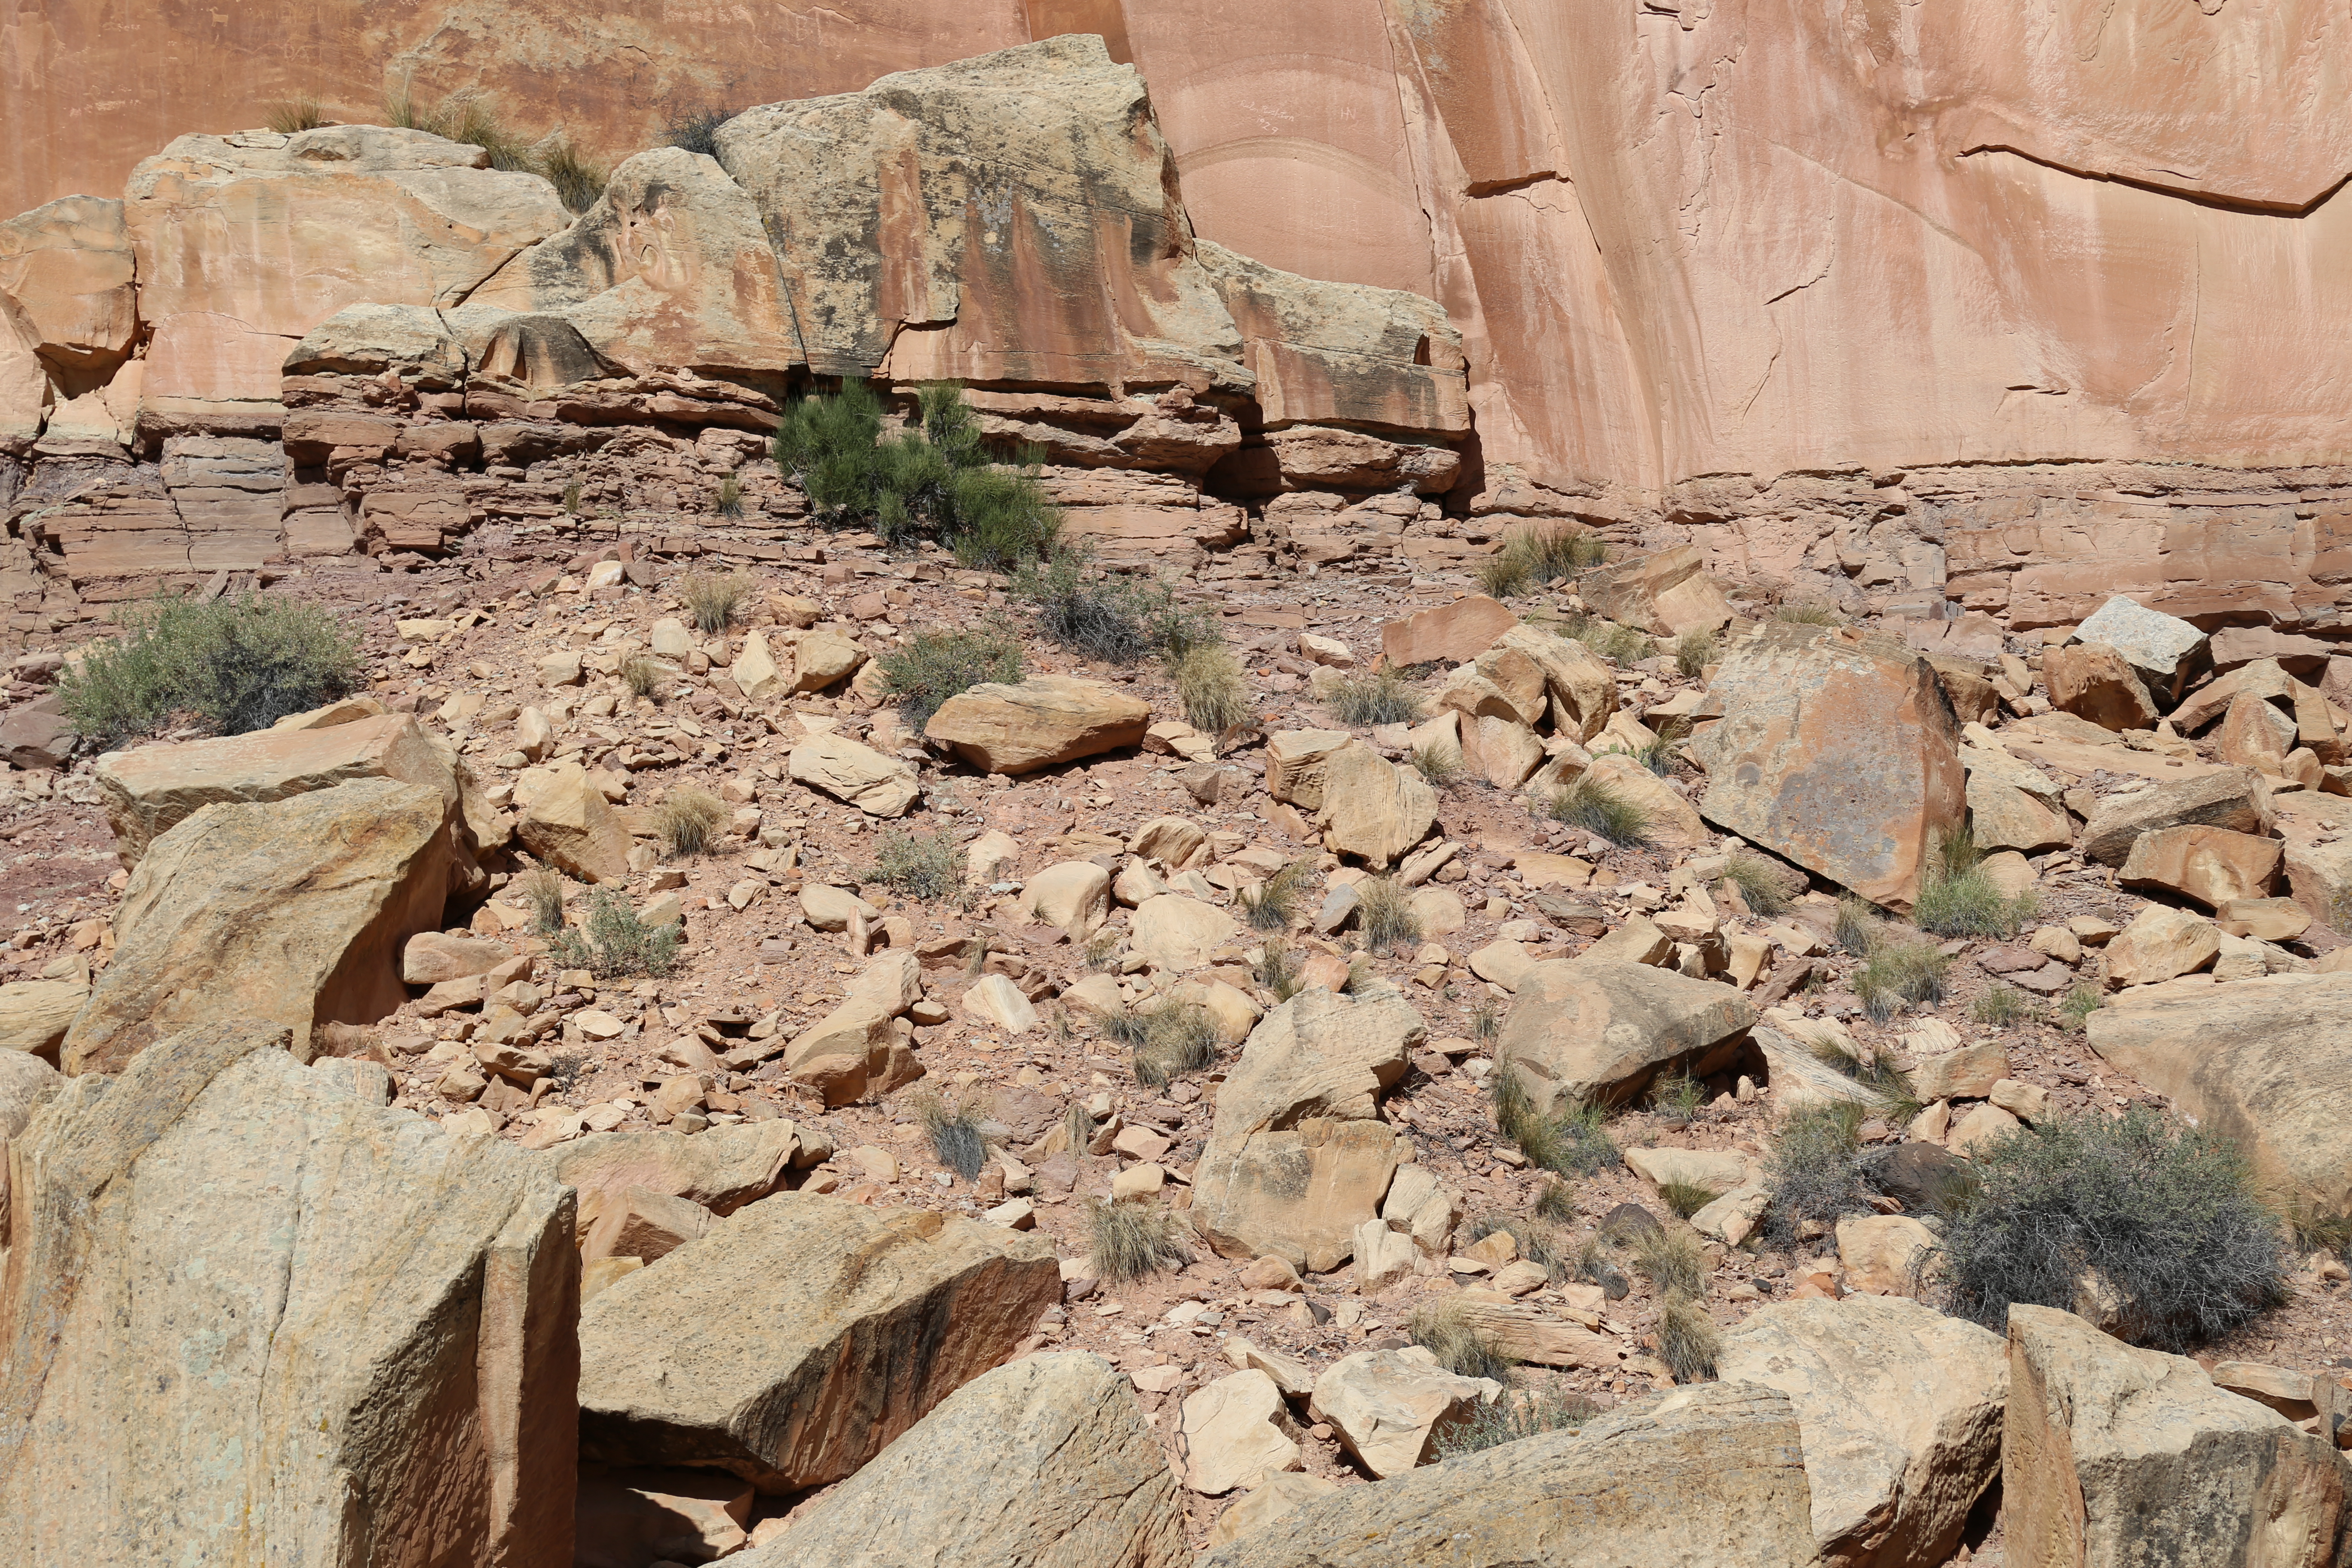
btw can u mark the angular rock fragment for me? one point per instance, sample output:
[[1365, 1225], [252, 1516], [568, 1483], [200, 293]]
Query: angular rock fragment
[[1389, 1408], [874, 784], [1044, 720], [1587, 1032]]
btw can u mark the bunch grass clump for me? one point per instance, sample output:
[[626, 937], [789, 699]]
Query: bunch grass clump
[[687, 819], [1694, 651], [1814, 1168], [614, 942], [1556, 1202], [1281, 899], [955, 1130], [1899, 976], [295, 114], [1514, 1416], [468, 116], [932, 667], [1133, 1241], [1209, 682], [1689, 1342], [1671, 1258], [728, 500], [1385, 916], [1538, 556], [1378, 697], [1277, 970], [1178, 1038], [542, 890], [1573, 1140], [1957, 898], [1603, 809], [1445, 1329], [1685, 1198], [1874, 1072], [237, 665], [1808, 614], [2164, 1215], [2003, 1007], [1108, 618], [1858, 926], [713, 599], [579, 180], [2081, 1002], [1438, 764], [697, 130], [916, 865], [1677, 1095], [1760, 890], [643, 676]]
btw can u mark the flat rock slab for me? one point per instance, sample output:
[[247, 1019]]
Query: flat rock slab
[[252, 1318], [1700, 1478], [800, 1335], [1045, 720], [295, 912], [1597, 1032], [1451, 633], [1046, 1463]]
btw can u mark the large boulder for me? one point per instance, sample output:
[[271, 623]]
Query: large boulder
[[2211, 865], [1178, 933], [1698, 1478], [35, 1014], [2267, 1063], [876, 784], [1837, 752], [149, 790], [1900, 1409], [1582, 1031], [1296, 1160], [68, 265], [1042, 1464], [721, 1168], [2235, 800], [1044, 720], [252, 1317], [799, 1336], [2165, 650], [1583, 687], [1372, 808], [2113, 1457], [2093, 681], [1666, 593], [1389, 1407], [294, 912], [1450, 634], [567, 823]]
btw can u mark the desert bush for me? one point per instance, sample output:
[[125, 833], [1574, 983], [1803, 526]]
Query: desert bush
[[1277, 970], [1694, 651], [1536, 556], [713, 600], [1601, 808], [1688, 1340], [727, 500], [643, 676], [1507, 573], [467, 117], [953, 1129], [1573, 1141], [1178, 1037], [1858, 926], [697, 130], [935, 480], [1114, 620], [237, 665], [1133, 1241], [1385, 916], [1208, 681], [1900, 974], [1381, 697], [1685, 1198], [1445, 1329], [918, 864], [1814, 1168], [687, 819], [2081, 1002], [1273, 903], [614, 942], [1556, 1202], [1514, 1416], [1760, 890], [1677, 1095], [296, 114], [2164, 1213], [934, 665], [1612, 641]]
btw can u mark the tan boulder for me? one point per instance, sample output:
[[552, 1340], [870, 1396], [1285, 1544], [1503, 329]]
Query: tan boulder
[[828, 908], [842, 768], [2113, 1456], [802, 1335], [1527, 1333], [431, 957], [1900, 1410], [2165, 650], [2263, 920], [642, 1223], [567, 823], [2162, 943], [2254, 735], [35, 1014], [400, 1389], [1176, 842], [755, 671], [2267, 1063], [1276, 1498], [822, 659], [2095, 681], [1583, 687], [1317, 1055], [1046, 1463], [1669, 821], [1373, 809], [1178, 933], [1296, 762], [1074, 896], [1701, 1477], [1964, 1072], [1502, 751], [68, 265], [2211, 865], [1297, 1194], [1504, 683], [720, 1168], [2234, 799], [1884, 1254], [995, 1001], [148, 790], [294, 912], [1233, 1436], [1389, 1408], [994, 857], [2003, 815], [1586, 1032], [1666, 593], [1451, 633], [1044, 720], [2262, 678], [1840, 756]]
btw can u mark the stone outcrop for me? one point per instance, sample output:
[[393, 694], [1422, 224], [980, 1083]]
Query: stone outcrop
[[799, 1336], [1698, 1478], [1900, 1410], [1042, 1464], [294, 911], [2113, 1456], [400, 1390], [1590, 1031]]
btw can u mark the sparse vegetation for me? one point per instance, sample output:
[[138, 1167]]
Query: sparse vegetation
[[1677, 1095], [2081, 1002], [1556, 1202], [1688, 1340], [643, 676], [1536, 556], [1178, 1037], [713, 600], [1385, 916], [1694, 651], [954, 1130], [1958, 898], [468, 116], [1760, 890], [1126, 1026], [296, 114], [1900, 974], [1486, 1019], [1208, 681], [1601, 808], [2003, 1007], [1814, 1167], [1874, 1072], [1809, 614], [728, 501], [542, 890], [1380, 697], [1114, 620], [1514, 1416], [579, 180], [1277, 970], [1685, 1198], [687, 819], [1133, 1241], [1658, 753], [697, 130], [1445, 1329], [1573, 1142], [235, 665], [916, 865], [935, 666], [1438, 765], [571, 505], [1671, 1257], [1858, 925], [1077, 1129], [1612, 641], [614, 942], [1273, 903], [2163, 1213], [934, 480]]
